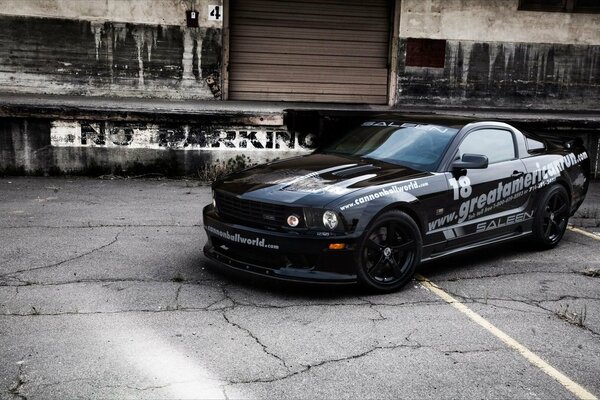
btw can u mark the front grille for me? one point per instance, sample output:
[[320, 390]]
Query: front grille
[[255, 213]]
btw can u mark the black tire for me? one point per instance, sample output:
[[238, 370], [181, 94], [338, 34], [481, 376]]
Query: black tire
[[387, 262], [551, 217]]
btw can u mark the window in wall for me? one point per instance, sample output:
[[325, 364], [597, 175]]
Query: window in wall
[[425, 53], [589, 6]]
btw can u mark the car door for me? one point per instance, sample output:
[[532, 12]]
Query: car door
[[490, 202]]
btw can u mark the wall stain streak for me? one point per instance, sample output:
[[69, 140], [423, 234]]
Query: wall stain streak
[[59, 56], [533, 75]]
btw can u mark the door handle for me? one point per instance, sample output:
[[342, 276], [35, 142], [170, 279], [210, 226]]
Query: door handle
[[517, 174]]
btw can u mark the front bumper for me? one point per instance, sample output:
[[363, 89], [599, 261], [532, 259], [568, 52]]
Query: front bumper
[[279, 255]]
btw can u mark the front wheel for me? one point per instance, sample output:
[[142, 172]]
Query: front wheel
[[552, 216], [389, 252]]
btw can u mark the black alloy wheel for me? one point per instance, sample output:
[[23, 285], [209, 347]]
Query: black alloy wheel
[[552, 217], [390, 252]]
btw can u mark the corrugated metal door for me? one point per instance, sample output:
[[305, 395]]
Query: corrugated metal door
[[309, 50]]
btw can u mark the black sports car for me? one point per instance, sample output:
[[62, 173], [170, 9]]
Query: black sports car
[[391, 194]]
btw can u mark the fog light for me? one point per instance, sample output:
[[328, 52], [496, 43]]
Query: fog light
[[330, 219], [337, 246], [293, 221]]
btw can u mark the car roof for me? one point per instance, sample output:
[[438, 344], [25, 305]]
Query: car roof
[[454, 121], [371, 123]]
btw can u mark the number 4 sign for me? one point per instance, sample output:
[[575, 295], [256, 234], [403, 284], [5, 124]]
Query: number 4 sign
[[214, 13]]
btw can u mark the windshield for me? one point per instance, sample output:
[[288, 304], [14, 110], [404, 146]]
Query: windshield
[[419, 147]]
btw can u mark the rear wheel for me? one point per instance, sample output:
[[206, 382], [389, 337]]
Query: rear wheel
[[389, 252], [552, 216]]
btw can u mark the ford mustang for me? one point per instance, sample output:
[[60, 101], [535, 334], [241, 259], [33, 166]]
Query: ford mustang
[[391, 194]]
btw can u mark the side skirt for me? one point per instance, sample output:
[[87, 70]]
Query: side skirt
[[474, 246]]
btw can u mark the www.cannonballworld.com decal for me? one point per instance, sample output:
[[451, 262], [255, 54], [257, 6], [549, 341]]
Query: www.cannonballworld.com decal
[[398, 188], [478, 205], [237, 238]]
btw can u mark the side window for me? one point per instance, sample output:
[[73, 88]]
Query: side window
[[535, 146], [496, 144]]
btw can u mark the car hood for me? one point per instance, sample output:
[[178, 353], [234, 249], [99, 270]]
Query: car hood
[[313, 180]]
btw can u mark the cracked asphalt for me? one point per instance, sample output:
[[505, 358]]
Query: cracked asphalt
[[105, 293]]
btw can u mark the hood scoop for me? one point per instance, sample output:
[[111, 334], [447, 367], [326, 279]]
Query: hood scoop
[[355, 170]]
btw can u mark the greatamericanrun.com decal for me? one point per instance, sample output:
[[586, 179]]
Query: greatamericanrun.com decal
[[505, 192]]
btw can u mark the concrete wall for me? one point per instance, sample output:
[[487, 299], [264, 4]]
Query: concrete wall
[[109, 48], [498, 56], [29, 146], [150, 12], [495, 21]]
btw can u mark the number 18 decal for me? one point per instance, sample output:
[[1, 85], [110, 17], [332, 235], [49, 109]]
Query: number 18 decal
[[462, 188]]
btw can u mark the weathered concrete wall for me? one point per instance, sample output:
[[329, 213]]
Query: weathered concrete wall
[[497, 20], [512, 75], [100, 147], [152, 12], [499, 56], [24, 144], [60, 56]]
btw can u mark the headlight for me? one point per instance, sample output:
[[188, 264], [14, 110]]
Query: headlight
[[213, 199], [293, 220], [330, 219]]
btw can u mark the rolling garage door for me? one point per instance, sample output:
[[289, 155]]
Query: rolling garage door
[[309, 50]]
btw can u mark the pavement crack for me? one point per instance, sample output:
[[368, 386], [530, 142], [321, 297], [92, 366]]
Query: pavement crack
[[563, 316], [257, 340], [87, 253], [529, 302], [177, 306], [364, 303], [23, 283], [307, 368], [380, 316], [501, 274], [38, 313], [90, 225], [591, 272], [224, 391], [401, 304], [15, 388], [471, 351]]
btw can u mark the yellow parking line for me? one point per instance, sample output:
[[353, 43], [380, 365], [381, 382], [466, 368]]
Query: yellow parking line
[[534, 359], [584, 232]]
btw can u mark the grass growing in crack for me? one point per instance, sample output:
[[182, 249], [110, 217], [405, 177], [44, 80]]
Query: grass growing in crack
[[592, 272], [574, 317], [178, 278], [34, 311]]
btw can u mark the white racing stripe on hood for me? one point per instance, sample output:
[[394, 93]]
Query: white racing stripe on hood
[[311, 176]]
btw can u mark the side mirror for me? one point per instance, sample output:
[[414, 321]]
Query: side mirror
[[470, 161]]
